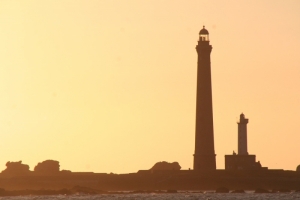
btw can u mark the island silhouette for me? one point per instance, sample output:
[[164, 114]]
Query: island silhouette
[[242, 171], [48, 179]]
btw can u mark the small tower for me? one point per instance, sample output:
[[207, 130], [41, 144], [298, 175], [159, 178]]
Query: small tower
[[242, 160], [242, 135], [204, 157]]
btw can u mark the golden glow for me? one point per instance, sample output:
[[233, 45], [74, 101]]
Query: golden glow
[[109, 86]]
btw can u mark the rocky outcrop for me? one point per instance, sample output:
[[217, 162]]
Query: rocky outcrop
[[222, 190], [261, 190], [166, 166], [47, 167], [16, 168]]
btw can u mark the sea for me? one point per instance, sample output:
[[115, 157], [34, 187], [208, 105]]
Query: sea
[[176, 196]]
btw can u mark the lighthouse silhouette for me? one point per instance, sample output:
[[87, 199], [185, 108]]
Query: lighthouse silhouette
[[204, 157]]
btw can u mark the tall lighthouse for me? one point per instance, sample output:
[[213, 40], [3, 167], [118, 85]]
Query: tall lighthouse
[[204, 157]]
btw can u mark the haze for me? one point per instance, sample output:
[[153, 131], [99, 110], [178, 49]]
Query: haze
[[110, 86]]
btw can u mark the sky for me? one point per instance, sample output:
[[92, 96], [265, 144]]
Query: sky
[[110, 86]]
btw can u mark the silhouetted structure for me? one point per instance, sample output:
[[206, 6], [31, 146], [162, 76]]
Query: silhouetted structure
[[242, 161], [16, 168], [47, 167], [166, 166], [204, 157], [242, 135]]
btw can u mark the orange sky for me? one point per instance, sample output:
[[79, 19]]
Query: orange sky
[[110, 86]]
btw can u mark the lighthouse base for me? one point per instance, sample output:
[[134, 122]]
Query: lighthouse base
[[204, 162]]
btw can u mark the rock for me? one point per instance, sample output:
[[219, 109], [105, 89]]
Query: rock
[[16, 168], [260, 190], [171, 191], [166, 166], [64, 191], [47, 167], [222, 190], [282, 190]]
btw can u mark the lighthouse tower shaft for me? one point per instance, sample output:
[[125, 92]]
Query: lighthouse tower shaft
[[204, 157], [242, 135]]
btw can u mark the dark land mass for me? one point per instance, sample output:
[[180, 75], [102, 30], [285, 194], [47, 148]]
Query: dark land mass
[[156, 180], [48, 179]]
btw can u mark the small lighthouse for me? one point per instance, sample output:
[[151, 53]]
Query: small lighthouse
[[242, 135], [242, 160]]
